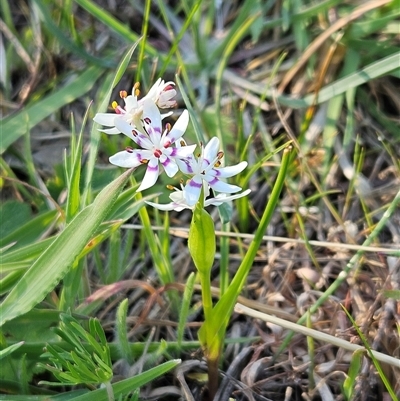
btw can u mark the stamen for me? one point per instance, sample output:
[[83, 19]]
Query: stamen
[[168, 127], [217, 164], [129, 149], [114, 104], [123, 94], [220, 154], [144, 161], [170, 187], [182, 142], [157, 153], [134, 133], [147, 120]]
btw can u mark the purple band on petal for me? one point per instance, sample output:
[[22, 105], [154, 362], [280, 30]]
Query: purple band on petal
[[213, 181], [189, 167], [194, 184], [166, 162], [152, 168]]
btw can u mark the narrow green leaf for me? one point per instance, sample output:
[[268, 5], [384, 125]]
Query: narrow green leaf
[[184, 312], [55, 262], [354, 368], [395, 294], [112, 23], [62, 38], [9, 350], [122, 334], [372, 356], [74, 198], [374, 70], [15, 126]]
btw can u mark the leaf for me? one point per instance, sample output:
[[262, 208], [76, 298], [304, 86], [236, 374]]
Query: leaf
[[212, 333], [18, 124], [202, 240], [30, 231], [57, 259], [354, 369], [126, 386], [7, 351]]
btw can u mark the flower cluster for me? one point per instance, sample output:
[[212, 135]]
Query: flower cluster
[[141, 121]]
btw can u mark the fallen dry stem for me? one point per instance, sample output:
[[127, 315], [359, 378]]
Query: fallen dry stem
[[318, 335]]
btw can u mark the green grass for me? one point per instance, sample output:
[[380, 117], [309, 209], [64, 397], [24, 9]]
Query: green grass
[[77, 240]]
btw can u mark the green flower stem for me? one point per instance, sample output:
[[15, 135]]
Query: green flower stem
[[206, 297], [353, 262], [212, 332]]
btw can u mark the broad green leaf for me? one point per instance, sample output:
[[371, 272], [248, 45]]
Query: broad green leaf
[[19, 123], [201, 242], [55, 261]]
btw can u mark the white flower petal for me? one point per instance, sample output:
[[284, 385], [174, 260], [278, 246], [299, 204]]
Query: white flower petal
[[166, 207], [170, 167], [230, 171], [152, 93], [127, 159], [106, 119], [179, 127], [164, 115], [151, 112], [124, 127], [221, 186], [110, 131], [211, 149], [182, 153], [221, 198], [131, 103], [192, 190], [150, 176]]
